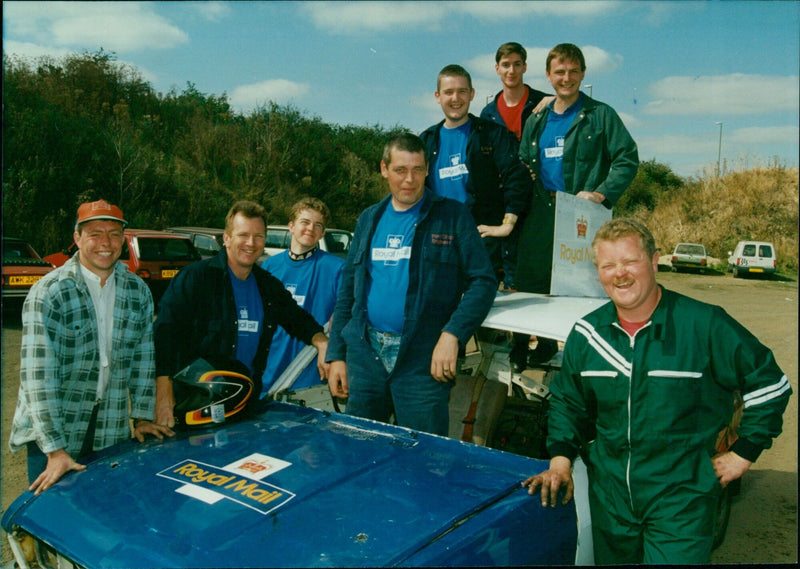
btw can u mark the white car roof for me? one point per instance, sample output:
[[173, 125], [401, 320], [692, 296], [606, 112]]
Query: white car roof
[[539, 314]]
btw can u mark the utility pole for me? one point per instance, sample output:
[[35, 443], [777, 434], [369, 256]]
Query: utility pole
[[719, 149]]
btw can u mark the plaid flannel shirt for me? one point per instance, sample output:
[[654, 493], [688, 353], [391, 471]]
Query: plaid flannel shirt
[[59, 364]]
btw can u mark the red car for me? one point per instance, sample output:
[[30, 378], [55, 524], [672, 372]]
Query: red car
[[22, 267], [155, 256]]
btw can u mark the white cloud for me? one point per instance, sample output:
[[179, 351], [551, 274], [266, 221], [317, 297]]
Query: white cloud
[[211, 11], [248, 97], [597, 59], [348, 17], [718, 95], [89, 25], [765, 135], [31, 51]]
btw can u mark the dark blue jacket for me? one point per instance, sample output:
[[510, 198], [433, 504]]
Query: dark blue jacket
[[491, 113], [197, 317], [498, 182], [451, 284]]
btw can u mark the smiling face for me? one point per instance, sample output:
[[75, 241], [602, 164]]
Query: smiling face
[[100, 245], [510, 69], [307, 228], [454, 96], [405, 173], [628, 276], [565, 76], [244, 243]]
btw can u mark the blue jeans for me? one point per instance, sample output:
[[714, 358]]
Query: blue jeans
[[417, 400]]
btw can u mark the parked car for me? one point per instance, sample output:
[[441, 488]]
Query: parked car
[[336, 241], [756, 257], [207, 240], [690, 256], [22, 267], [155, 256]]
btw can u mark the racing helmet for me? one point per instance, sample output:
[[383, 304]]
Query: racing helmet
[[209, 391]]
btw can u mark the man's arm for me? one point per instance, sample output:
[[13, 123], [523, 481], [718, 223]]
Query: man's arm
[[59, 462], [623, 155], [476, 271]]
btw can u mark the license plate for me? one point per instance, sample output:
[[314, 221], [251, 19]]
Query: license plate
[[26, 280], [755, 270], [168, 274]]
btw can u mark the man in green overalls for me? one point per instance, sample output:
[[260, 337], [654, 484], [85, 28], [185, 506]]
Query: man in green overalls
[[646, 385]]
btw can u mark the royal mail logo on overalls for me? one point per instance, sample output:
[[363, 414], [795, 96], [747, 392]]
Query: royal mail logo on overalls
[[577, 220], [239, 481]]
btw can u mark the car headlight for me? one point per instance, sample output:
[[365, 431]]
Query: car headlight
[[31, 553]]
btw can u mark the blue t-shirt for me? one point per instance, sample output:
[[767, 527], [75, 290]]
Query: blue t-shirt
[[314, 283], [387, 267], [551, 146], [250, 314], [450, 174]]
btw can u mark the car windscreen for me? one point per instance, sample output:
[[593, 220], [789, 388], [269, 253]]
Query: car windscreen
[[165, 249], [337, 242], [16, 250], [686, 249]]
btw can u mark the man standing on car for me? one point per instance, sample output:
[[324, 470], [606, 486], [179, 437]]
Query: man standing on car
[[575, 145], [646, 385], [87, 351], [312, 276], [227, 308], [474, 161], [416, 284]]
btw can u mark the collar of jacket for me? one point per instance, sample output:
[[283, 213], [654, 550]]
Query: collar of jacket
[[429, 199], [659, 319], [72, 270]]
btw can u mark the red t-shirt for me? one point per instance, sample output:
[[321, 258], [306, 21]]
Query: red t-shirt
[[512, 116], [631, 327]]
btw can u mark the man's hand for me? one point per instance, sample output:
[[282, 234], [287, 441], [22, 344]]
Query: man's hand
[[337, 379], [59, 462], [445, 358], [165, 402], [595, 197], [543, 103], [557, 477], [320, 341], [729, 466], [495, 230], [143, 427]]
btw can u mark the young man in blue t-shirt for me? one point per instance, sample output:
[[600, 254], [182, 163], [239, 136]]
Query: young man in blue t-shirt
[[474, 161], [312, 276]]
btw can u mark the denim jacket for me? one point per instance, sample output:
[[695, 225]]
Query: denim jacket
[[451, 283]]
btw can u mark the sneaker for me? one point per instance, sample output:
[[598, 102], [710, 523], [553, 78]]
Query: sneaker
[[518, 358]]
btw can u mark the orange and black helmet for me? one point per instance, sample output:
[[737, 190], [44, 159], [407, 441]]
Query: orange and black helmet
[[210, 392]]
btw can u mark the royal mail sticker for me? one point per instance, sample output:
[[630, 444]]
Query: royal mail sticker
[[239, 481]]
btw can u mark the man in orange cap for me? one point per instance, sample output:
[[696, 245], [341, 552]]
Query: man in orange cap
[[87, 349]]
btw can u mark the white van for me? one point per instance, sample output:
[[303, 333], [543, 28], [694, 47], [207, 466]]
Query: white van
[[752, 257]]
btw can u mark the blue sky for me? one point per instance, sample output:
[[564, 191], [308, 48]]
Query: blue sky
[[672, 70]]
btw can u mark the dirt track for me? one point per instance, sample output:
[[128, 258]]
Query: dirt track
[[763, 526]]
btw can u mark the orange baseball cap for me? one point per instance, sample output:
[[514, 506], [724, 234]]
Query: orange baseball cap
[[100, 209]]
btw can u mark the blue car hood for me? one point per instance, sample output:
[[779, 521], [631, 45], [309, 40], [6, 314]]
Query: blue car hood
[[298, 487]]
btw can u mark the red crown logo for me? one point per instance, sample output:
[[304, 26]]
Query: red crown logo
[[582, 225]]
